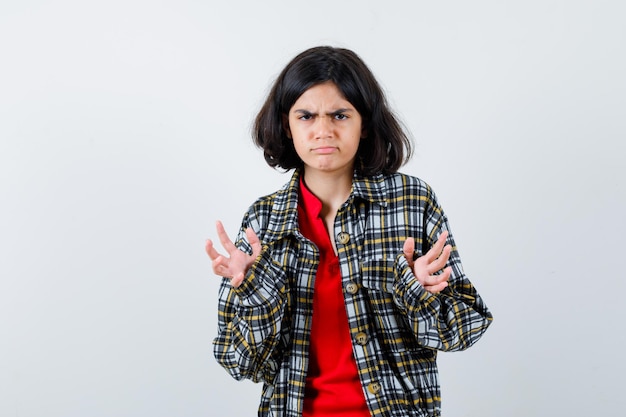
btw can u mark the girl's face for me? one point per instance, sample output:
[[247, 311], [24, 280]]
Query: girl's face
[[325, 129]]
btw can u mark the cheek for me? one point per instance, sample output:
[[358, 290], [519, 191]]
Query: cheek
[[300, 135], [298, 144]]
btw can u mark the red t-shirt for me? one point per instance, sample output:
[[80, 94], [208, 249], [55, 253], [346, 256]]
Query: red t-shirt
[[332, 382]]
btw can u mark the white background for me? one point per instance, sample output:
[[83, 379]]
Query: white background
[[125, 133]]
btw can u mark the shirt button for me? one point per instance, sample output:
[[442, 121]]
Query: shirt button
[[352, 288], [343, 238], [361, 338], [374, 388]]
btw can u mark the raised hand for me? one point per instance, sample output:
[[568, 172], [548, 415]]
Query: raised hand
[[236, 264], [428, 264]]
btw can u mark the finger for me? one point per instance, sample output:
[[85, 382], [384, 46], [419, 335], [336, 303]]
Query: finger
[[254, 241], [221, 267], [435, 289], [210, 249], [409, 250], [224, 239], [436, 279], [432, 280], [435, 251], [237, 280], [439, 263]]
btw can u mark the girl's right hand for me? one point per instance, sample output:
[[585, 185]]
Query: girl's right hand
[[236, 265]]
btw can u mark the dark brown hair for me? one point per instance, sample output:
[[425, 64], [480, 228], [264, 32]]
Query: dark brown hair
[[385, 147]]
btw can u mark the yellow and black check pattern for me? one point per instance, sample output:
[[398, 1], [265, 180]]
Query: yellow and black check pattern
[[396, 326]]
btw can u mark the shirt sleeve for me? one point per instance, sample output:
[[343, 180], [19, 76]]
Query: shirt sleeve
[[453, 319], [250, 317]]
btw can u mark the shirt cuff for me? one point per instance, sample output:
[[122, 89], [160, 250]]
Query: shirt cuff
[[264, 282], [408, 290]]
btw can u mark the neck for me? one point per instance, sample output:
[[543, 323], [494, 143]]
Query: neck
[[332, 190]]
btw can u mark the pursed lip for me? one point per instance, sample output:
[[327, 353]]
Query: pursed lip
[[324, 149]]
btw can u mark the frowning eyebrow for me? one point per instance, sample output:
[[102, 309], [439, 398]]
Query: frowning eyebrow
[[332, 113]]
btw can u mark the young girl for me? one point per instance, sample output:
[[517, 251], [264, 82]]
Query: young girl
[[341, 286]]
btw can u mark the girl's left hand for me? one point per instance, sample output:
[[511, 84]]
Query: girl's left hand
[[426, 266]]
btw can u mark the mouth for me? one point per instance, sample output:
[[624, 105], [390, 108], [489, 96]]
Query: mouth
[[324, 150]]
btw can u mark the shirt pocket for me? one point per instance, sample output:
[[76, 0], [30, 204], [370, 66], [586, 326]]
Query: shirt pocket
[[378, 277]]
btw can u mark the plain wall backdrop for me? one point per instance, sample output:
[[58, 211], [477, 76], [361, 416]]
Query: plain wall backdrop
[[125, 134]]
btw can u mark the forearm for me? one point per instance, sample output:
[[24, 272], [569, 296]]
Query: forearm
[[250, 321], [451, 320]]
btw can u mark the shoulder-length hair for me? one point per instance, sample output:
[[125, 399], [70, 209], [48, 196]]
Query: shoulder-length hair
[[385, 146]]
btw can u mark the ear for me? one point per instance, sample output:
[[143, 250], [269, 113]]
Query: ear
[[286, 125], [363, 134]]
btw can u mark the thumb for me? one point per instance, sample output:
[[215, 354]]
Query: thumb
[[237, 280], [253, 239], [409, 250]]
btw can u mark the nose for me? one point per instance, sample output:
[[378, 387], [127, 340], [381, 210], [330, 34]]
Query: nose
[[323, 127]]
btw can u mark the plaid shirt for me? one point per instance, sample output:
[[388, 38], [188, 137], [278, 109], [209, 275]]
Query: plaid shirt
[[395, 325]]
